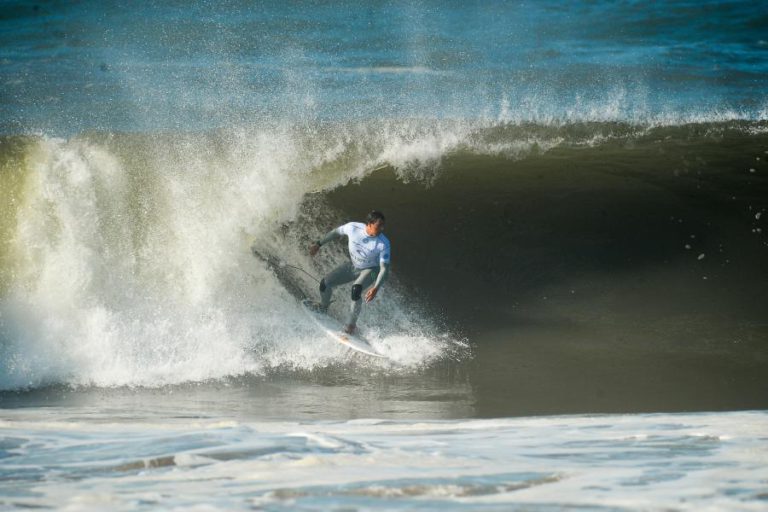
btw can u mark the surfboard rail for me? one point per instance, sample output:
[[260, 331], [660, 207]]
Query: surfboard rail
[[333, 329]]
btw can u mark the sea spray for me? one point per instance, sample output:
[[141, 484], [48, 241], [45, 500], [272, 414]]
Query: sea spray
[[132, 260]]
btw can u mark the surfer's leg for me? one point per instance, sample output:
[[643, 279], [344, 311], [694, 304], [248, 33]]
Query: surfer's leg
[[363, 281], [344, 273]]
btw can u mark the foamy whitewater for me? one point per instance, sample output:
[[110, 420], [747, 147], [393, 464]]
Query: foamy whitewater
[[576, 196], [134, 265], [646, 462]]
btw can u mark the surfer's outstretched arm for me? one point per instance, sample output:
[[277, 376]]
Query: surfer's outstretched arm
[[331, 235]]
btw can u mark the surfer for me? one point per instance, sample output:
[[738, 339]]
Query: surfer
[[368, 264]]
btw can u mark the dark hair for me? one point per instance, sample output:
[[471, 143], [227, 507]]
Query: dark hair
[[374, 216]]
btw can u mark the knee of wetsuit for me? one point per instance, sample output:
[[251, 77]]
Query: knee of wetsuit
[[357, 290], [322, 285]]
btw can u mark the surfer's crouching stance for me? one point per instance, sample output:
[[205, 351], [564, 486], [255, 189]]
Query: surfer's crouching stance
[[369, 255]]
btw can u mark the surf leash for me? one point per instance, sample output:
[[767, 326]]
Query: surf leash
[[302, 270]]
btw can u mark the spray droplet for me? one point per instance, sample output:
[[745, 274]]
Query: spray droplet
[[701, 256]]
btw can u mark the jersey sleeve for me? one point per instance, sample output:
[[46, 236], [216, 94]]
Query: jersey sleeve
[[344, 229], [384, 254]]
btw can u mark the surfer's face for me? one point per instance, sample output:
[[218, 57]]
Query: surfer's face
[[374, 228]]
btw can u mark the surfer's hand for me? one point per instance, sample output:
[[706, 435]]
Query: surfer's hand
[[369, 296], [313, 249]]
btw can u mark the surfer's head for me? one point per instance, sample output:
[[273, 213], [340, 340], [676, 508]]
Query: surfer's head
[[374, 223]]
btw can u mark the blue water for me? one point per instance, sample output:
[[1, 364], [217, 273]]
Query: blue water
[[178, 66]]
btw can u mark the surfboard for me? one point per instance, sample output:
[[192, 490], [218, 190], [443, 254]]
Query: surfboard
[[334, 329], [328, 325]]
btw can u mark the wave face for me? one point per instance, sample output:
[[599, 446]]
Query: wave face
[[126, 257]]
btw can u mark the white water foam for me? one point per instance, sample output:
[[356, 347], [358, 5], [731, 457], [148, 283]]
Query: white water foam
[[706, 461], [132, 262]]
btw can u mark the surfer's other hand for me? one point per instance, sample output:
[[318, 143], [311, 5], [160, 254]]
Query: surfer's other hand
[[371, 294], [314, 248]]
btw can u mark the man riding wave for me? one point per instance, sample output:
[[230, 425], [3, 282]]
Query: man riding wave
[[369, 253]]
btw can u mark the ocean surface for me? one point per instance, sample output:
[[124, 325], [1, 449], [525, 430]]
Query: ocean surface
[[576, 194]]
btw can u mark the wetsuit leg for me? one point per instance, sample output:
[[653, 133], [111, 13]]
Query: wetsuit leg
[[363, 281], [344, 273]]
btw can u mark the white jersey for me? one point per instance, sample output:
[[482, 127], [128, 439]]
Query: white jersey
[[365, 251]]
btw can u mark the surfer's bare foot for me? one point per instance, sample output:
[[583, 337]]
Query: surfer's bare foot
[[350, 329]]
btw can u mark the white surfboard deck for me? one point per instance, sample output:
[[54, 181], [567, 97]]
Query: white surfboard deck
[[334, 330]]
